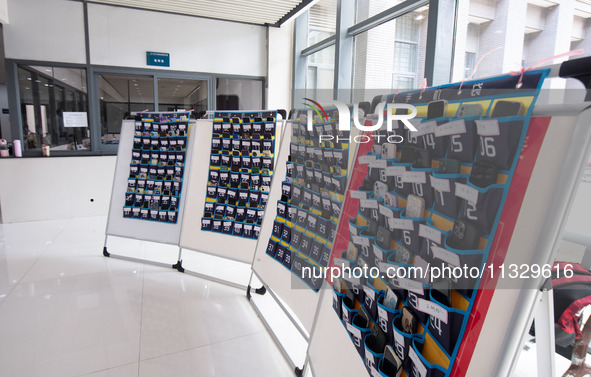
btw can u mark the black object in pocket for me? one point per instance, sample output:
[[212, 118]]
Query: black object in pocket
[[483, 174], [465, 235]]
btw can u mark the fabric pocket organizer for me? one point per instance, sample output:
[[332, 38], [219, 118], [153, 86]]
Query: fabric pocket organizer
[[445, 322], [432, 238], [341, 157], [386, 317], [372, 354], [339, 183], [427, 359], [391, 277], [480, 204], [272, 247], [403, 340], [369, 208], [463, 138], [357, 332], [364, 245], [400, 187], [436, 142], [206, 224], [349, 309], [470, 260], [416, 298], [444, 189], [282, 208], [498, 140], [370, 301], [337, 302], [420, 184], [409, 231], [379, 256]]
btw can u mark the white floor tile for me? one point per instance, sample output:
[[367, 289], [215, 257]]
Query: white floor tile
[[71, 326], [21, 245], [209, 265], [251, 355], [130, 370], [182, 312], [66, 310]]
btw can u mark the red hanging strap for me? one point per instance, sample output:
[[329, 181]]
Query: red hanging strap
[[423, 87], [476, 66]]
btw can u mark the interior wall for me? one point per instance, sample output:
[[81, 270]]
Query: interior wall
[[55, 188], [280, 55], [4, 12], [121, 37], [51, 30]]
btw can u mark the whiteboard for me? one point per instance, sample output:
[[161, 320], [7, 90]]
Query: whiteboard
[[192, 237], [154, 231], [274, 275], [290, 289], [331, 351]]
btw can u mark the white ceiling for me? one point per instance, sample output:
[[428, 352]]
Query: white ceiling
[[261, 12]]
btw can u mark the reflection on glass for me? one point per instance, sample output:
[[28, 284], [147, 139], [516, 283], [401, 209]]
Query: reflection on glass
[[177, 94], [320, 76], [322, 21], [45, 94], [379, 70], [546, 28], [369, 8], [121, 97], [235, 94]]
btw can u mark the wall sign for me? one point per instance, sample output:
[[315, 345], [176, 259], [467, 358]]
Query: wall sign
[[158, 59]]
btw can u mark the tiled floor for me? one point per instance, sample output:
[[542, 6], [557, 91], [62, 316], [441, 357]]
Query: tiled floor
[[65, 310]]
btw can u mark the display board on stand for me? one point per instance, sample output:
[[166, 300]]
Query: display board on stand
[[303, 212], [148, 195], [198, 223], [455, 194]]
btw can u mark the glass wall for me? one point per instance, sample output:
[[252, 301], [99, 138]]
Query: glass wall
[[320, 75], [121, 97], [548, 28], [239, 94], [369, 8], [391, 56], [183, 94], [47, 95], [322, 21]]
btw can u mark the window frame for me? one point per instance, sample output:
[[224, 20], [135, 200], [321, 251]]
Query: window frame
[[439, 38], [92, 73]]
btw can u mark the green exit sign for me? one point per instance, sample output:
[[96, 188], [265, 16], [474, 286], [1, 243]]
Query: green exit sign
[[158, 59]]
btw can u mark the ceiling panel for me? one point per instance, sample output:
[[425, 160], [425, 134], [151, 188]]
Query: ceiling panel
[[260, 12]]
